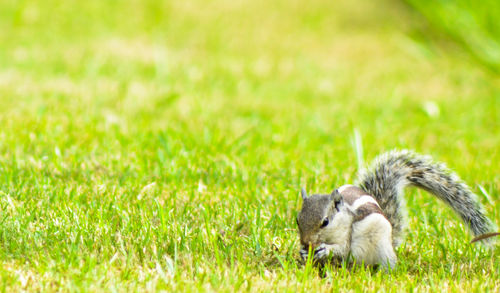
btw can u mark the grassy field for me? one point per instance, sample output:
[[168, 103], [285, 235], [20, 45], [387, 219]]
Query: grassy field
[[473, 25], [149, 145]]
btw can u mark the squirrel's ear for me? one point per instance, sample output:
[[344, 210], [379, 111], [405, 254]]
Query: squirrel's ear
[[303, 193], [335, 195]]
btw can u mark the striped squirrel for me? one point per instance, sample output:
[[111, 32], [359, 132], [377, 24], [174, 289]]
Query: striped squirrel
[[366, 223]]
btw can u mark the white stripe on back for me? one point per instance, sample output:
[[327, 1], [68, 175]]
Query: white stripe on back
[[361, 201], [344, 187]]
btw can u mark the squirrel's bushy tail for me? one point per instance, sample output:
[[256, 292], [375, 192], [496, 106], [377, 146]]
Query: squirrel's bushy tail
[[394, 170]]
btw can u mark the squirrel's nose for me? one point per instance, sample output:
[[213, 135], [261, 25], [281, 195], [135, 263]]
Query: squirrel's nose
[[309, 241], [312, 245]]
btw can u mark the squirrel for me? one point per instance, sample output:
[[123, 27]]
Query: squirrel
[[365, 222]]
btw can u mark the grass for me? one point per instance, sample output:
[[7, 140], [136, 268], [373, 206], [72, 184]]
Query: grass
[[150, 145], [471, 24]]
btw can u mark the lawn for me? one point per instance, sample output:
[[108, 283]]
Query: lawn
[[161, 145]]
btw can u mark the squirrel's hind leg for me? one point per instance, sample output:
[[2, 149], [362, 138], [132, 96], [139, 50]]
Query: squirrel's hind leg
[[372, 241]]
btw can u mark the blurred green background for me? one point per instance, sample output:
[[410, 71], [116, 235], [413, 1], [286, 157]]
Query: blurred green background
[[150, 145]]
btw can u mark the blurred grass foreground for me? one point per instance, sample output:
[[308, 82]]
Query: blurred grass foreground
[[160, 145]]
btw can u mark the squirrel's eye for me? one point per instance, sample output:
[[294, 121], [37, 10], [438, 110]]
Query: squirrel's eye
[[325, 222]]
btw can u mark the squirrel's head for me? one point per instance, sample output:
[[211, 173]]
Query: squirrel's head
[[316, 216]]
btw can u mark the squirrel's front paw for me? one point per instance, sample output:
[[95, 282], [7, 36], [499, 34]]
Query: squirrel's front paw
[[318, 253], [304, 252], [321, 252]]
